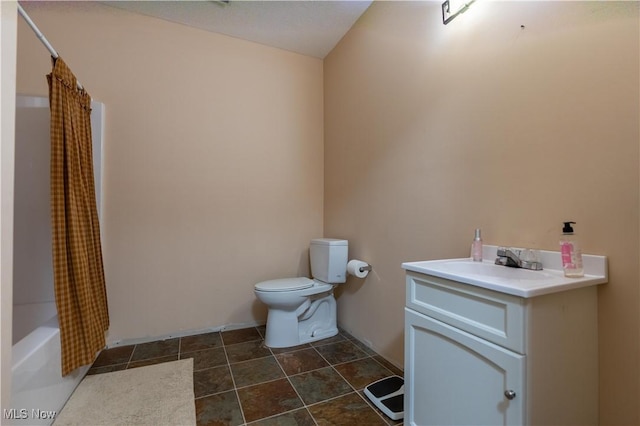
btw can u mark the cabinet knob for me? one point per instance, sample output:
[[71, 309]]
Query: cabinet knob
[[510, 394]]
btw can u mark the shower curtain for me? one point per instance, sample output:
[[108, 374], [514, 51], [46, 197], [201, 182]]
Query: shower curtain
[[79, 284]]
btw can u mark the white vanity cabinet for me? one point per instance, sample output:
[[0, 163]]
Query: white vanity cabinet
[[477, 356]]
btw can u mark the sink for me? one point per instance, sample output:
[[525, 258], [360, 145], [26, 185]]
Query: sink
[[467, 267], [515, 281]]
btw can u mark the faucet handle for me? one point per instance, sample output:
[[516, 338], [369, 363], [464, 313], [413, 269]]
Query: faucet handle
[[531, 259], [529, 255], [534, 266]]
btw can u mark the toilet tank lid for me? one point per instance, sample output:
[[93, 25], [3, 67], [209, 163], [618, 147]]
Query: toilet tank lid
[[285, 284], [330, 241]]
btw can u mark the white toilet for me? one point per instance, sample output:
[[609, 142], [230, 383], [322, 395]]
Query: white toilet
[[303, 310]]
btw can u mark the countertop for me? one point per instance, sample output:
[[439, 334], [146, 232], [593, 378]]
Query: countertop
[[515, 281]]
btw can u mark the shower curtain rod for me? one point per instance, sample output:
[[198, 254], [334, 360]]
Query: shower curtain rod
[[41, 37]]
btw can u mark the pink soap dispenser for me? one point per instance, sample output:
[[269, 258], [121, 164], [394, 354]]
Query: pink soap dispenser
[[570, 253]]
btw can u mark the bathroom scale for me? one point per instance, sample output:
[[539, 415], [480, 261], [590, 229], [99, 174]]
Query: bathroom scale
[[388, 395]]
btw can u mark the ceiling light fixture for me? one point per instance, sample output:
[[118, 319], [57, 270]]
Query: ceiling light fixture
[[453, 8]]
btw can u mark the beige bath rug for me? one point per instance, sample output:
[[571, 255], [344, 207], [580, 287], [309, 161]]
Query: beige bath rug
[[160, 394]]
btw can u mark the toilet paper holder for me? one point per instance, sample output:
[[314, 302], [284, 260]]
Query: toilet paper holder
[[365, 268], [358, 268]]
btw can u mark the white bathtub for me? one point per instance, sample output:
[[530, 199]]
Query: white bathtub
[[38, 388]]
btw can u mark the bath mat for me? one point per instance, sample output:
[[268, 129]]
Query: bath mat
[[160, 394]]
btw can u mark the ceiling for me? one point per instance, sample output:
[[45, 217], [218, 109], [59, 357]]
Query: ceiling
[[311, 28]]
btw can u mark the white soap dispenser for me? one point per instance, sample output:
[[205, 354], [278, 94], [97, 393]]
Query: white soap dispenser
[[476, 247], [571, 253]]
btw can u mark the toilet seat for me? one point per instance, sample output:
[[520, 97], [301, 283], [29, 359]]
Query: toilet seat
[[285, 284]]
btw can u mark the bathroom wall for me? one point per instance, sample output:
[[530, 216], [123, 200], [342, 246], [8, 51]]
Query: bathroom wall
[[213, 172], [513, 118]]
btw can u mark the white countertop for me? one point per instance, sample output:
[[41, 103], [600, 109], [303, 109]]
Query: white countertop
[[514, 281]]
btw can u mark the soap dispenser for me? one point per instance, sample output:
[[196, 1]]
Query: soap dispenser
[[570, 252], [476, 247]]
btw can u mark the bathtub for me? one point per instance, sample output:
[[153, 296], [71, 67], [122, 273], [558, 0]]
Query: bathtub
[[38, 390]]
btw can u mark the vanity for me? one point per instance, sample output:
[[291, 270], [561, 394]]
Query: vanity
[[487, 344]]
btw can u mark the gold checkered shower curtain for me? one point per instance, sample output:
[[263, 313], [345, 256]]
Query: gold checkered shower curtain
[[81, 296]]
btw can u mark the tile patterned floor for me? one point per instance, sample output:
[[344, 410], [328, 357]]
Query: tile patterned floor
[[239, 381]]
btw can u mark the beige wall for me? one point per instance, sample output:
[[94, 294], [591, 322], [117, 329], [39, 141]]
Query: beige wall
[[433, 130], [213, 172]]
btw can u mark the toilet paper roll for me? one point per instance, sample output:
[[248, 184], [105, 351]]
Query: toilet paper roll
[[358, 268]]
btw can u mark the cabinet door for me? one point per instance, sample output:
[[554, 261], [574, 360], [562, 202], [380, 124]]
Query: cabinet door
[[455, 378]]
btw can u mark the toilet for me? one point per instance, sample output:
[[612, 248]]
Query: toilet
[[303, 310]]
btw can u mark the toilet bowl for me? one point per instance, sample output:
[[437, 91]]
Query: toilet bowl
[[303, 310]]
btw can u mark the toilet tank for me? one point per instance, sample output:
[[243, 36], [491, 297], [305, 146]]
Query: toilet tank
[[329, 260]]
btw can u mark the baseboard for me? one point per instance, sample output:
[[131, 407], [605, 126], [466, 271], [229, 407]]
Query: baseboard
[[182, 333]]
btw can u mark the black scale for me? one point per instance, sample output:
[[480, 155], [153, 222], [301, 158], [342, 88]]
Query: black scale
[[388, 395]]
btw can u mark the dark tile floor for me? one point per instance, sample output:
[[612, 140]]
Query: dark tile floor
[[239, 381]]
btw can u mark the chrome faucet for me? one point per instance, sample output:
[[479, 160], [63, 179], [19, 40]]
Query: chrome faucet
[[513, 258]]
